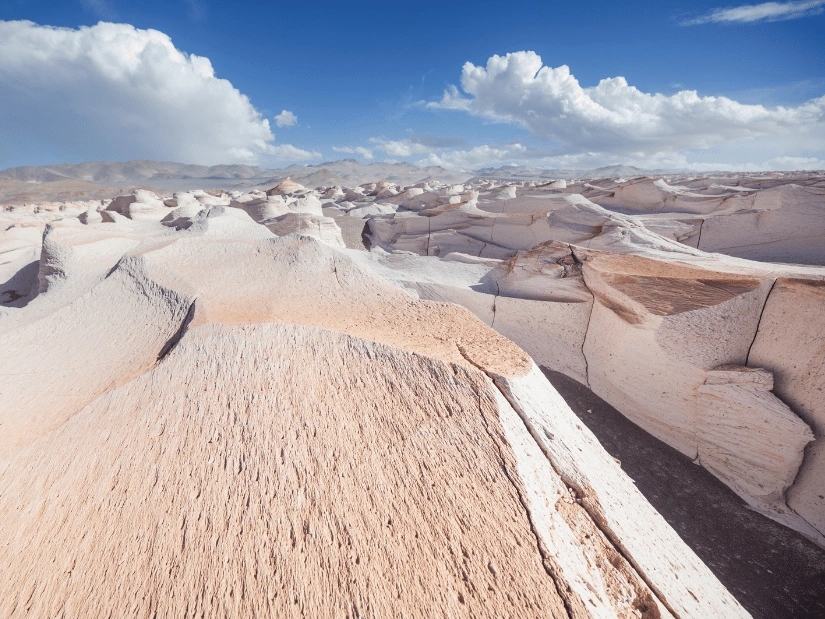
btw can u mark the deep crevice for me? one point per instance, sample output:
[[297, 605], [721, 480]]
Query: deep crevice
[[759, 323], [429, 233], [699, 240], [335, 270], [589, 317], [114, 268], [184, 327], [544, 558], [584, 341], [495, 300]]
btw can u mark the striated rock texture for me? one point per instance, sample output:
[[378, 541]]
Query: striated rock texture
[[200, 417]]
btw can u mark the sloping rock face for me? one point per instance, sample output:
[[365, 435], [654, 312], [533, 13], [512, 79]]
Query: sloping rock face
[[201, 417], [618, 296], [661, 343]]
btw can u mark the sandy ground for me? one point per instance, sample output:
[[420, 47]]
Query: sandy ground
[[773, 571]]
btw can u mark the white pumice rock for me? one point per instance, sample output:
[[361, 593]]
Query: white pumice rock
[[288, 186], [318, 227], [262, 208]]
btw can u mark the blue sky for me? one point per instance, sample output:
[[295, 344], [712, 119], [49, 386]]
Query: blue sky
[[372, 76]]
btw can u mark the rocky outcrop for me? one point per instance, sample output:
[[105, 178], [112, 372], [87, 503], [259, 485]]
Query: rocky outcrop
[[790, 343], [772, 219]]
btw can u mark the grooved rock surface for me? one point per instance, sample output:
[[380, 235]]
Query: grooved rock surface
[[218, 402], [793, 348], [274, 470]]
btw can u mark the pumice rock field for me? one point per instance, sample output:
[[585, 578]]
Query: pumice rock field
[[326, 400]]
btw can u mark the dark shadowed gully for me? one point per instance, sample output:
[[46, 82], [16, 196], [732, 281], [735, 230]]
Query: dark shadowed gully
[[774, 572]]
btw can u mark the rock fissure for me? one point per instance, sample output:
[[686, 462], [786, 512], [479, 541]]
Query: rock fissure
[[495, 301], [429, 234], [571, 487], [176, 338], [589, 317], [759, 322]]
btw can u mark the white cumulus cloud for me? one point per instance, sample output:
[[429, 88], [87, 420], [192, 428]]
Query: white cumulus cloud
[[288, 152], [116, 91], [416, 145], [766, 11], [286, 119], [615, 118]]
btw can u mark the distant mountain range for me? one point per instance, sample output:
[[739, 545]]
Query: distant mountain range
[[181, 176], [523, 173]]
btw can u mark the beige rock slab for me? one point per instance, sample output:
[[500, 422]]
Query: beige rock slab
[[552, 333], [747, 436], [51, 367], [300, 281]]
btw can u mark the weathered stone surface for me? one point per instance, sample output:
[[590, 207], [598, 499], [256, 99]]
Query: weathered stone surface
[[280, 417], [791, 343]]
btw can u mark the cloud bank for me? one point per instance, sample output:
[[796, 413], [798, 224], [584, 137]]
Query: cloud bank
[[366, 153], [616, 121], [480, 156], [122, 92], [286, 119], [767, 11]]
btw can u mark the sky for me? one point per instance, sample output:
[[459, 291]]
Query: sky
[[695, 85]]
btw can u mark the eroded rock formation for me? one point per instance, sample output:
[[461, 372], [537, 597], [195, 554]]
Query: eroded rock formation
[[206, 412]]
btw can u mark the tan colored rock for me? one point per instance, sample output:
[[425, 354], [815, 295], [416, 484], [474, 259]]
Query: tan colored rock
[[781, 224], [759, 459], [322, 228], [285, 187], [665, 314], [657, 335]]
